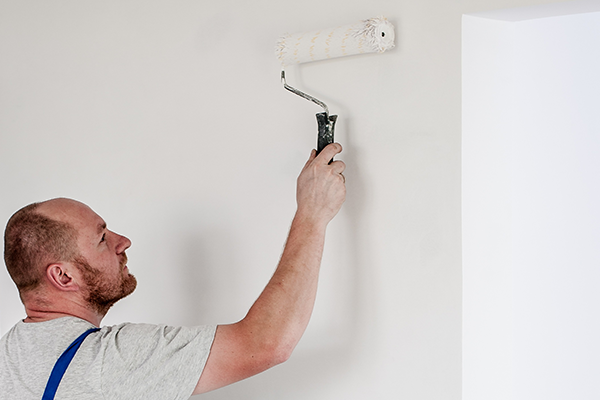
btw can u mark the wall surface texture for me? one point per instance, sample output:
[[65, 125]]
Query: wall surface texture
[[168, 118]]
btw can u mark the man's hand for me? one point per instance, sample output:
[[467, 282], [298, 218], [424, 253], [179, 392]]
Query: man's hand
[[321, 188]]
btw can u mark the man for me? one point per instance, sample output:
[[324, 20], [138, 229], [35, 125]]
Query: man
[[70, 269]]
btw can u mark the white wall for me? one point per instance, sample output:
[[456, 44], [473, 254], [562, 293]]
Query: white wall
[[531, 226], [169, 119]]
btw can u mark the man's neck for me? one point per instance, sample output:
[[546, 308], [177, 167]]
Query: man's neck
[[36, 314]]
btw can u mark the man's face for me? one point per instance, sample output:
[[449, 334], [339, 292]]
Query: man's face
[[102, 260], [103, 290]]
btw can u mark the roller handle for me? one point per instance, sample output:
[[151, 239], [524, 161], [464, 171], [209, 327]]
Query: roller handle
[[326, 124]]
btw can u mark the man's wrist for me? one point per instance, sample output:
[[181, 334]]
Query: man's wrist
[[309, 221]]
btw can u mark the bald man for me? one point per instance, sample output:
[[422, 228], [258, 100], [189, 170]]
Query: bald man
[[70, 268]]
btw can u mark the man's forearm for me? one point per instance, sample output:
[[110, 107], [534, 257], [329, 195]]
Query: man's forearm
[[283, 310]]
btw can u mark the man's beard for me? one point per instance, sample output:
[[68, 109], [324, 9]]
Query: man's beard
[[102, 294]]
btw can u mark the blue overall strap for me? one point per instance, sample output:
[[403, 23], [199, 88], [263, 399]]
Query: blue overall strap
[[62, 364]]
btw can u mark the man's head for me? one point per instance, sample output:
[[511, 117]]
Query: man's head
[[62, 245]]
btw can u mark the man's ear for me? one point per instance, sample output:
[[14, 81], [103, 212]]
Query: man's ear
[[61, 278]]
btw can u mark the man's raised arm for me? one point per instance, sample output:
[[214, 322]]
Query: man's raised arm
[[276, 321]]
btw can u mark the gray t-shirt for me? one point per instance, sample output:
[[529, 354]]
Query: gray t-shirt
[[127, 361]]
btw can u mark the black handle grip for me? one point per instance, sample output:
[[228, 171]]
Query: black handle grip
[[326, 126]]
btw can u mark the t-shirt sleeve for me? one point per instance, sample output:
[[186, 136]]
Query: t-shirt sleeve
[[141, 361]]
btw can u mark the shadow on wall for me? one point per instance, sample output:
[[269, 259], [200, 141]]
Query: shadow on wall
[[209, 265], [309, 369]]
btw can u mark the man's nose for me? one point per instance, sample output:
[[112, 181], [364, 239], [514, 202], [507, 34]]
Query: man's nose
[[123, 243]]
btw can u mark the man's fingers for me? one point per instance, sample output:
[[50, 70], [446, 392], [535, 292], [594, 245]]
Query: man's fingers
[[313, 155], [328, 152], [338, 166], [325, 156]]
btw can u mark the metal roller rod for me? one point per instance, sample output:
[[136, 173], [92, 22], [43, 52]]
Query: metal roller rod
[[302, 94]]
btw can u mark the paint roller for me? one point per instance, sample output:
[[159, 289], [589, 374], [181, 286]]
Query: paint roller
[[374, 35]]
